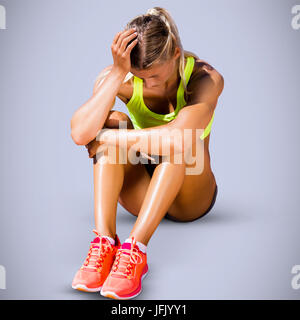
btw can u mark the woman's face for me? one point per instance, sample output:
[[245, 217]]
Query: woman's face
[[159, 75]]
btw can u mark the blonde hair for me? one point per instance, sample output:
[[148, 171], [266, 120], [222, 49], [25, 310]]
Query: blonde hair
[[158, 37]]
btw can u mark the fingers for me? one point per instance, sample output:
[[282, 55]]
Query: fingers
[[127, 40], [97, 150], [92, 151], [129, 48], [123, 34], [115, 40], [121, 48], [124, 37]]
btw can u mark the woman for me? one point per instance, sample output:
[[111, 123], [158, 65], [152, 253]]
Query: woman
[[164, 88]]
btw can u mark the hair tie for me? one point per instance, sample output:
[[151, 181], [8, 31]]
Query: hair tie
[[154, 12]]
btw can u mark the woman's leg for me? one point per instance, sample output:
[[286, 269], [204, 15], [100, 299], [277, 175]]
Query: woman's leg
[[113, 182], [108, 181], [165, 183], [183, 197]]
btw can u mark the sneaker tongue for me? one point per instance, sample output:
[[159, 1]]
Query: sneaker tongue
[[97, 240], [127, 245]]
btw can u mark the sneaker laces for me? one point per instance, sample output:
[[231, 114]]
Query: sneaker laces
[[125, 260], [97, 253]]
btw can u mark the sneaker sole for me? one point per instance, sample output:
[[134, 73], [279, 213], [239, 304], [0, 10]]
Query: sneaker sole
[[82, 287], [113, 295]]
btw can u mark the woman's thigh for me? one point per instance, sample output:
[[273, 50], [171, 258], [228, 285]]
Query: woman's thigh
[[178, 215], [195, 197], [198, 191]]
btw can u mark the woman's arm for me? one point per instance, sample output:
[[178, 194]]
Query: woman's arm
[[172, 137], [91, 116], [165, 140]]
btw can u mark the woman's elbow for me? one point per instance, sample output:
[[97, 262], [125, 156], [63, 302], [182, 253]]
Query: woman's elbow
[[77, 135], [77, 138]]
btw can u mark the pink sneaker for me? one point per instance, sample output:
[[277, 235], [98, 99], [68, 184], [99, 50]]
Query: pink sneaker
[[96, 267], [129, 269]]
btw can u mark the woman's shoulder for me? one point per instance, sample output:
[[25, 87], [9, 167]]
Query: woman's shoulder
[[202, 69], [201, 75]]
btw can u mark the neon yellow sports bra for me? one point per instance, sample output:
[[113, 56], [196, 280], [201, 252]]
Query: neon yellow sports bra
[[142, 117]]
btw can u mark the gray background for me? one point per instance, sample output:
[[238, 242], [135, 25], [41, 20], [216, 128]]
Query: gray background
[[245, 248]]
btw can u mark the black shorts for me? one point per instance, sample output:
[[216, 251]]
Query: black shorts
[[150, 169]]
